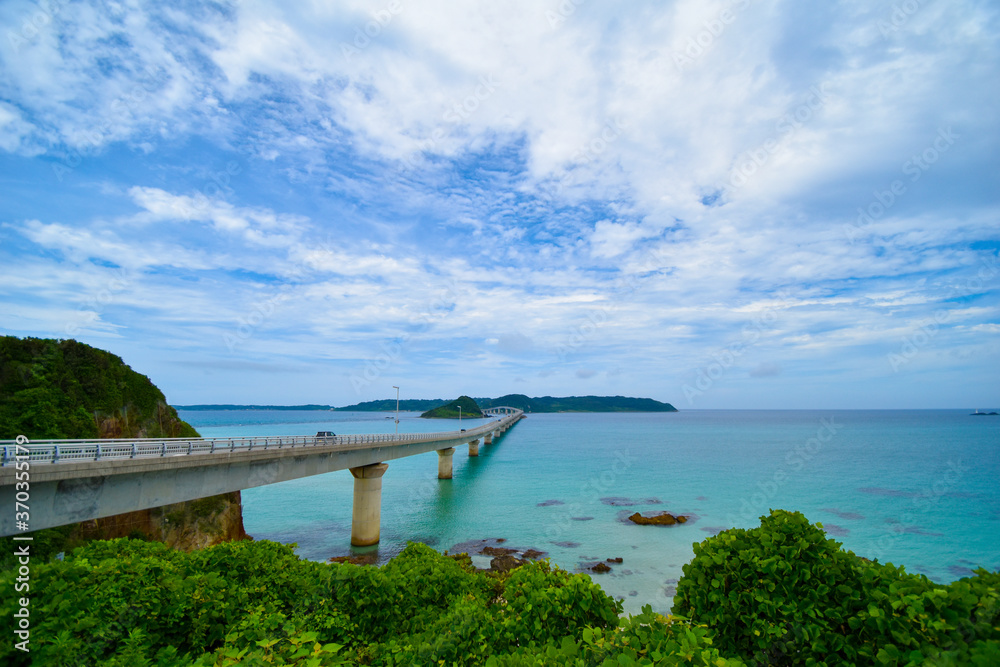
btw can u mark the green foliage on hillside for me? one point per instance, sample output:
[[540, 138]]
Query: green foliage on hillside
[[65, 389], [785, 594], [389, 405], [578, 404], [780, 594], [451, 410], [125, 602]]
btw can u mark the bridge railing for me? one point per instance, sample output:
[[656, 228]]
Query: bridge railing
[[55, 451]]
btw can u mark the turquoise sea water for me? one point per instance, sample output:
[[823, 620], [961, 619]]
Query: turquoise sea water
[[915, 488]]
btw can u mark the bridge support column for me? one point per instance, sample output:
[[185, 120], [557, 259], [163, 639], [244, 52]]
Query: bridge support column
[[488, 439], [367, 516], [474, 448], [444, 462]]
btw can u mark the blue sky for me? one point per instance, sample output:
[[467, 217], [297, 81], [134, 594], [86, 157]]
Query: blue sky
[[730, 204]]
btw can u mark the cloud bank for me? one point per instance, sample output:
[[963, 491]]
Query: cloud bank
[[717, 204]]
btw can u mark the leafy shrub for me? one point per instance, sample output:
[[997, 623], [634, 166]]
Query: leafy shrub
[[133, 602], [784, 594], [651, 637], [778, 594], [644, 639], [264, 638], [541, 604]]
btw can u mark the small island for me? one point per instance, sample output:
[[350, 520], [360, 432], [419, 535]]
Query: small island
[[578, 403], [463, 406]]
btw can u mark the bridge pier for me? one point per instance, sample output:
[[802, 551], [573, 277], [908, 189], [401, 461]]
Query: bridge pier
[[444, 463], [474, 448], [488, 439], [367, 517]]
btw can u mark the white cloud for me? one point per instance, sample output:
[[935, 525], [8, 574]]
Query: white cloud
[[14, 131], [610, 239], [84, 244]]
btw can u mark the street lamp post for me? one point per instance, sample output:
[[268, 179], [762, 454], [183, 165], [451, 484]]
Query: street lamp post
[[460, 417], [397, 408]]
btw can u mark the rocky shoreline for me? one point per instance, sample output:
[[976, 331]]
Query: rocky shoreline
[[504, 557]]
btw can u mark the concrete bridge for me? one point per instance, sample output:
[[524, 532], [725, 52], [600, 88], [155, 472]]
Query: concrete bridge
[[78, 480], [500, 411]]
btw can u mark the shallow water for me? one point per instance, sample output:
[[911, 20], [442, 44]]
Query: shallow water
[[915, 488]]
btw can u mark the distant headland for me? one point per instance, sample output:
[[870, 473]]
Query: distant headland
[[230, 406], [519, 401]]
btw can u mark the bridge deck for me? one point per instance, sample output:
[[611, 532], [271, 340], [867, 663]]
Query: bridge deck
[[79, 480], [56, 451]]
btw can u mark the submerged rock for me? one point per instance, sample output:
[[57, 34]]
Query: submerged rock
[[491, 547], [497, 551], [600, 568], [364, 559], [615, 560], [619, 501], [475, 546], [665, 519], [505, 563]]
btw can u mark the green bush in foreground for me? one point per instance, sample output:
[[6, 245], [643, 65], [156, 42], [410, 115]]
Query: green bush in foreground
[[784, 594], [780, 594], [129, 602]]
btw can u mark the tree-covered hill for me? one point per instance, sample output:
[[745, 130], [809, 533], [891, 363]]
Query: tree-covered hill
[[519, 401], [65, 389], [389, 405], [522, 402], [578, 403], [450, 410]]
